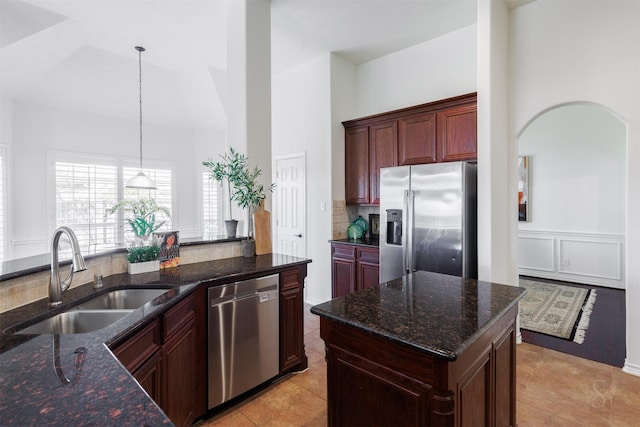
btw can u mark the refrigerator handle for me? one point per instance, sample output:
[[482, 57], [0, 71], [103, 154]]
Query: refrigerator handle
[[407, 248]]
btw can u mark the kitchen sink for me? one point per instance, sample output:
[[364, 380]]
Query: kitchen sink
[[123, 299], [76, 322], [96, 313]]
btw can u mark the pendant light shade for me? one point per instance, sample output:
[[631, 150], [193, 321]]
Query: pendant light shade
[[141, 181]]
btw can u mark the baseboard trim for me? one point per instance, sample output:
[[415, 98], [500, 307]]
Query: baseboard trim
[[630, 368]]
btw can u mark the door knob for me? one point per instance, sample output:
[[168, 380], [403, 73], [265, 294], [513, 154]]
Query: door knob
[[298, 235]]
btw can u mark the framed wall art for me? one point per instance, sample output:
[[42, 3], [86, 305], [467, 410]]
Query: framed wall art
[[523, 189]]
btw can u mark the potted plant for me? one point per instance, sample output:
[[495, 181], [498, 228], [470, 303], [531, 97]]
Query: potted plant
[[143, 223], [229, 170], [143, 259], [249, 195], [143, 255]]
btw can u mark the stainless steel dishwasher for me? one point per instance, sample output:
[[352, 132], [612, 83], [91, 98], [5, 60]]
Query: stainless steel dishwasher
[[243, 337]]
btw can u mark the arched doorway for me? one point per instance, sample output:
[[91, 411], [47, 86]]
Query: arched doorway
[[575, 229]]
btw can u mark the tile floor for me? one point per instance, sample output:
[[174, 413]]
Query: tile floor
[[553, 389]]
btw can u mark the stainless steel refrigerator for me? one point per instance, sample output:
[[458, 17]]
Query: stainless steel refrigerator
[[428, 219]]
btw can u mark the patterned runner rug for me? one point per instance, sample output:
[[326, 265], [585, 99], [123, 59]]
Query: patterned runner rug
[[558, 310]]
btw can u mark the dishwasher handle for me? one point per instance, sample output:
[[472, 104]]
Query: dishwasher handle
[[221, 300], [263, 296]]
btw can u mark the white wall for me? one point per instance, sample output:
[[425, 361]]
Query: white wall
[[433, 70], [302, 123], [6, 116], [565, 51], [343, 107], [577, 181], [577, 170], [37, 129]]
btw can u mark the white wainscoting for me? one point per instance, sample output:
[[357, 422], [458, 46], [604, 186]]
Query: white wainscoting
[[594, 259]]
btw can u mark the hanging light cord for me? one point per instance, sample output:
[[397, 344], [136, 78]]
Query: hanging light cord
[[140, 50]]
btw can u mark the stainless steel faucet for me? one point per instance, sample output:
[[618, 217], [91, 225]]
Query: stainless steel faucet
[[57, 286]]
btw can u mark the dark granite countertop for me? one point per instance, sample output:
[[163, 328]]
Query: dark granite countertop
[[366, 241], [32, 392], [436, 313]]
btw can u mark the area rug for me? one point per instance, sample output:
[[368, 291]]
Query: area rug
[[557, 310]]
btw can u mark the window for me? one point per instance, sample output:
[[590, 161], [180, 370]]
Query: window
[[210, 206], [87, 187], [162, 196], [3, 156], [84, 194]]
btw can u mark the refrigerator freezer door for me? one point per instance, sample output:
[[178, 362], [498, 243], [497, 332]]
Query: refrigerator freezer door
[[393, 184], [438, 222]]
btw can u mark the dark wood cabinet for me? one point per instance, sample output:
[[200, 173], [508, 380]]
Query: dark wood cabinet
[[407, 386], [368, 274], [353, 267], [457, 135], [367, 149], [163, 358], [179, 362], [357, 165], [142, 355], [417, 139], [382, 153], [149, 375], [292, 354], [343, 269], [441, 131]]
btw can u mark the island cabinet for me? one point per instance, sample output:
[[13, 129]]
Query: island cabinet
[[353, 267], [440, 131], [163, 357], [416, 352]]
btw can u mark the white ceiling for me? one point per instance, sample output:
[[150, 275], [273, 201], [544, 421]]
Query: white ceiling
[[79, 54]]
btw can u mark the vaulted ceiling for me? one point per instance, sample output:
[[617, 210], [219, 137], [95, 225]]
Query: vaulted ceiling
[[79, 54]]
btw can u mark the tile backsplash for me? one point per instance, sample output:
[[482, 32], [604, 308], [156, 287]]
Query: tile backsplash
[[26, 289], [344, 215], [339, 220]]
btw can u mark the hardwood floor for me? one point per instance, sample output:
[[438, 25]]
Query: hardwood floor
[[605, 338]]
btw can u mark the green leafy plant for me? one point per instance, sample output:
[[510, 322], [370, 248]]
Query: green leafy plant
[[144, 211], [250, 193], [142, 254], [247, 192], [229, 170]]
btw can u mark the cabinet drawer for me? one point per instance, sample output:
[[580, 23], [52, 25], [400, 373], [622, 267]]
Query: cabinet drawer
[[369, 255], [178, 316], [344, 251], [290, 279], [137, 349]]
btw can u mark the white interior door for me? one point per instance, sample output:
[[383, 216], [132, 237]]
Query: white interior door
[[290, 205]]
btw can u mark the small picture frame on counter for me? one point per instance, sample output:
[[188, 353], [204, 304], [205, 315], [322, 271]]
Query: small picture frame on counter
[[374, 225], [169, 255]]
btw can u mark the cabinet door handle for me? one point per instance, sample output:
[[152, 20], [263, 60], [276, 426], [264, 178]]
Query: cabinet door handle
[[298, 235]]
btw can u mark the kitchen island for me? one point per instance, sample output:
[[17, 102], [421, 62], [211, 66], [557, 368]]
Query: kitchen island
[[426, 349]]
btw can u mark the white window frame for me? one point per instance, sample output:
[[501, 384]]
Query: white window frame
[[220, 208], [54, 156], [4, 206]]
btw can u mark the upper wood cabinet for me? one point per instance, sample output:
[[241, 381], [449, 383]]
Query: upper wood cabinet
[[441, 131], [357, 165], [417, 139], [457, 135], [382, 153]]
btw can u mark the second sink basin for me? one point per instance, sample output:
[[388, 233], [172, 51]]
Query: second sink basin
[[123, 299], [76, 322]]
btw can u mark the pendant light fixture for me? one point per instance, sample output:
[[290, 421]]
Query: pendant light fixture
[[141, 181]]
